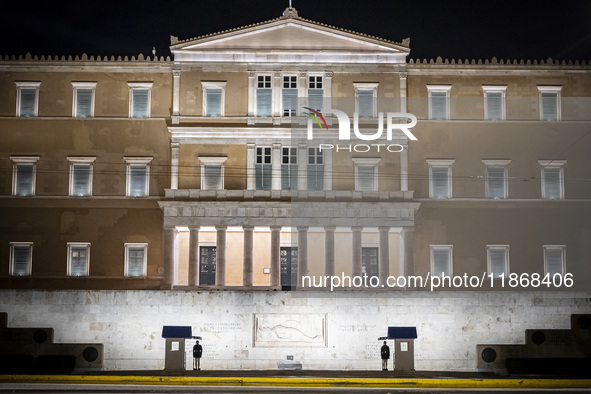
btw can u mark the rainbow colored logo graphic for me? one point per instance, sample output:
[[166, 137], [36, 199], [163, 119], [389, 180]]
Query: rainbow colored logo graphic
[[314, 115]]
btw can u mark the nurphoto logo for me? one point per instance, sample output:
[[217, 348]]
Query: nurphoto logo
[[345, 129]]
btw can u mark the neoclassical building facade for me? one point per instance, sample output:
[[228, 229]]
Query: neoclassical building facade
[[224, 169]]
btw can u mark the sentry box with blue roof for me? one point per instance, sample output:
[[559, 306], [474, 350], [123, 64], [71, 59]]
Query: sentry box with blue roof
[[404, 349], [175, 346]]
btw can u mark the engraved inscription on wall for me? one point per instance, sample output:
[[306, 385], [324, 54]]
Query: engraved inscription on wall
[[290, 330]]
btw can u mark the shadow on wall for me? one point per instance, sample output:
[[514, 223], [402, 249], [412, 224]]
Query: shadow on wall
[[547, 352], [32, 351]]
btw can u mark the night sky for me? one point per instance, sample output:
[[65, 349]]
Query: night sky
[[456, 29]]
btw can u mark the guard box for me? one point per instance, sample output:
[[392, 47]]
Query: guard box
[[404, 353], [175, 336]]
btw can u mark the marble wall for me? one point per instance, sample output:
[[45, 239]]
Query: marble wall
[[254, 330]]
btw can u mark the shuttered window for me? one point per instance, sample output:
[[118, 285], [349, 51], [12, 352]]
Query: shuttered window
[[441, 260], [213, 177], [140, 103], [315, 92], [78, 259], [498, 260], [264, 96], [365, 103], [439, 105], [440, 180], [21, 257], [135, 255], [84, 103], [25, 180], [137, 180], [554, 259], [81, 175], [213, 104], [315, 169], [496, 182], [494, 105], [552, 183], [549, 106], [289, 168], [366, 178], [290, 102], [28, 102], [263, 168]]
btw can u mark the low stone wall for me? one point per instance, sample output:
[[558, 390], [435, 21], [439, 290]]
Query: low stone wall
[[254, 330]]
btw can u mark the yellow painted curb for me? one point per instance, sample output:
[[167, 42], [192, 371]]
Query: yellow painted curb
[[303, 382]]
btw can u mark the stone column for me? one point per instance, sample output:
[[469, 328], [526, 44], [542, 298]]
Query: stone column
[[220, 269], [329, 250], [402, 77], [276, 167], [193, 255], [247, 264], [250, 167], [176, 95], [174, 165], [169, 236], [302, 253], [407, 235], [384, 261], [275, 252], [404, 169], [302, 167], [327, 157], [356, 250], [251, 93]]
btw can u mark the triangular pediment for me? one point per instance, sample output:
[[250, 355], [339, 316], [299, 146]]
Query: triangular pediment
[[286, 37]]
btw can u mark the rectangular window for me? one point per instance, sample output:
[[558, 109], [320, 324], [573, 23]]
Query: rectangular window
[[554, 259], [365, 103], [366, 174], [263, 168], [439, 106], [442, 260], [140, 99], [27, 99], [552, 179], [135, 259], [315, 92], [264, 96], [78, 259], [214, 98], [24, 175], [289, 168], [365, 99], [289, 95], [83, 99], [21, 258], [496, 178], [213, 102], [81, 175], [212, 172], [315, 169], [498, 260], [494, 102], [138, 176], [550, 102], [369, 261], [440, 178]]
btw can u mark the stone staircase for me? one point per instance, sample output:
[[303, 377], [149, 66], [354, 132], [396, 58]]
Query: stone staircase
[[546, 351], [32, 350]]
